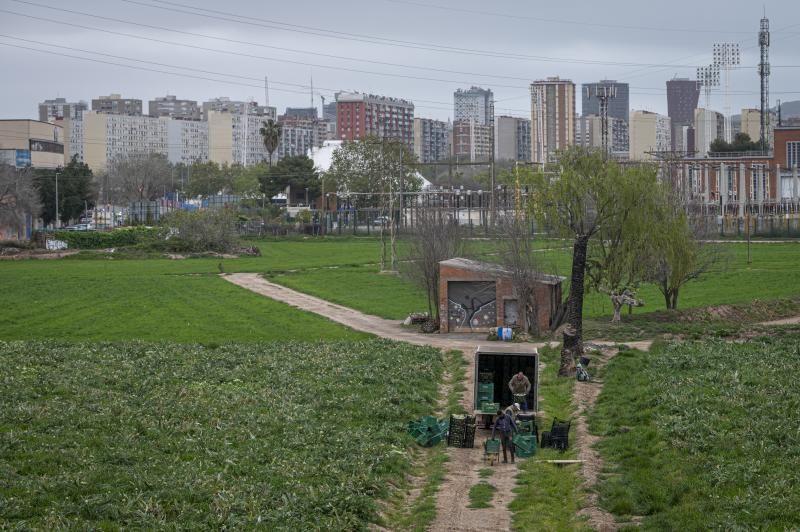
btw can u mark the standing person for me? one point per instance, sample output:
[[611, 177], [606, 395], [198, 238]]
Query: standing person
[[505, 424], [520, 385], [512, 411]]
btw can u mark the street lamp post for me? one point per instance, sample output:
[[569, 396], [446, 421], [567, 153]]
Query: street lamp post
[[58, 220]]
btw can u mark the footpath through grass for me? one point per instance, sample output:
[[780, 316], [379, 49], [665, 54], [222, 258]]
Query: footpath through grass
[[288, 436], [703, 435]]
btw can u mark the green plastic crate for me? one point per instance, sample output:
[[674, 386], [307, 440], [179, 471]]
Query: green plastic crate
[[524, 446], [488, 407]]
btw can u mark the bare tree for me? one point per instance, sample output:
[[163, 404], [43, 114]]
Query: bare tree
[[18, 197], [435, 238], [517, 257], [139, 177]]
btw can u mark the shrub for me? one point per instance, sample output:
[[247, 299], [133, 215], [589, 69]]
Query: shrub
[[206, 230]]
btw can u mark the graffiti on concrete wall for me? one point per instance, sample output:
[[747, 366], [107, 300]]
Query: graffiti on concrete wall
[[471, 304]]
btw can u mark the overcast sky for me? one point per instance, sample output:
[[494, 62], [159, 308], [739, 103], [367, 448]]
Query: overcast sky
[[421, 50]]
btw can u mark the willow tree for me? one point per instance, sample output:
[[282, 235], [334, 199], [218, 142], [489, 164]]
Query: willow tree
[[589, 198]]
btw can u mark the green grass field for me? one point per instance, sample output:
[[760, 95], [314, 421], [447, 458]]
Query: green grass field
[[167, 300], [145, 300], [772, 274], [703, 435], [288, 436]]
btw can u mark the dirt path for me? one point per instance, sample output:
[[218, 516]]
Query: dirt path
[[794, 320], [586, 394]]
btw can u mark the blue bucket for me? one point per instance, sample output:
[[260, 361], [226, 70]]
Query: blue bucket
[[504, 333]]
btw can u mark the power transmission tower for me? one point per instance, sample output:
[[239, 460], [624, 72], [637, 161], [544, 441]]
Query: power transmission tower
[[604, 93]]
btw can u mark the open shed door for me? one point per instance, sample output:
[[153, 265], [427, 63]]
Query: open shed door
[[498, 363]]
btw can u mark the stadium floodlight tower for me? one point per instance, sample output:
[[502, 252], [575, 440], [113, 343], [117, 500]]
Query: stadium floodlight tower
[[708, 78], [763, 71], [726, 57]]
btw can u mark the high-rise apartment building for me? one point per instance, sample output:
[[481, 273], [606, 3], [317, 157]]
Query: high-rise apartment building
[[431, 140], [618, 106], [708, 126], [589, 133], [751, 123], [300, 135], [59, 109], [100, 137], [359, 116], [475, 104], [682, 97], [512, 138], [308, 113], [171, 107], [472, 142], [223, 104], [187, 141], [235, 138], [649, 132], [117, 105], [552, 117]]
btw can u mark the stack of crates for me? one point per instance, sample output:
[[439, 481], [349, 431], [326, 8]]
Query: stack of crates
[[461, 432], [428, 431], [486, 397], [526, 424]]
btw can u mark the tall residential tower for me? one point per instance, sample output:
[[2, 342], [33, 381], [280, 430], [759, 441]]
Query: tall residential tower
[[552, 118]]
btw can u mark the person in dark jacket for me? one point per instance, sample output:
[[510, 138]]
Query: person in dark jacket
[[505, 424]]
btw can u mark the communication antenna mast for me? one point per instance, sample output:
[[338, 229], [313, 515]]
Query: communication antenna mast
[[266, 92], [604, 93], [763, 72], [727, 56], [311, 90], [708, 77]]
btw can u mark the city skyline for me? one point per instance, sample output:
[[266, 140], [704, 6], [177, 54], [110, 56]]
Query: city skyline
[[620, 42]]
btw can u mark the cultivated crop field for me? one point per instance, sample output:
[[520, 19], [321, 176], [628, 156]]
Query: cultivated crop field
[[710, 437], [292, 436]]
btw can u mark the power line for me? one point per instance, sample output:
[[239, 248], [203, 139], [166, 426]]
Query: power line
[[272, 47], [463, 51], [251, 56], [560, 21]]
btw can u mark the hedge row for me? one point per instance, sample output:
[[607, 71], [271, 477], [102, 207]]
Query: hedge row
[[127, 236]]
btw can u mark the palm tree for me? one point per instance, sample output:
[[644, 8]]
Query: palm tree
[[271, 134]]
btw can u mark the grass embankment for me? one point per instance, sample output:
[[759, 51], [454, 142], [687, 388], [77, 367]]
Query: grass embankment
[[549, 497], [291, 436], [703, 435]]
